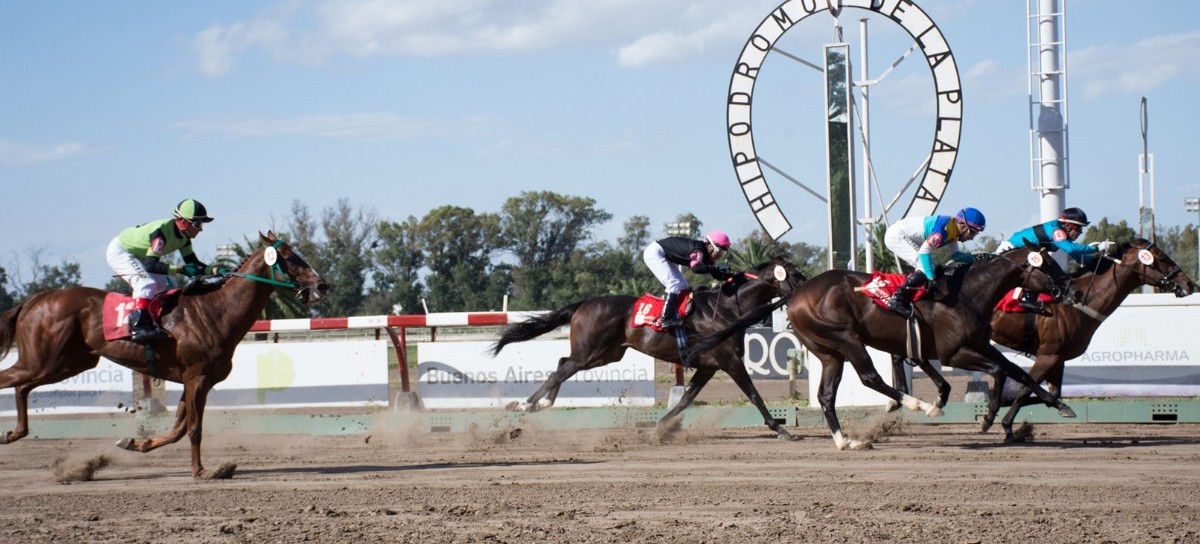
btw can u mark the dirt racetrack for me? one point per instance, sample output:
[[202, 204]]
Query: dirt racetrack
[[948, 483]]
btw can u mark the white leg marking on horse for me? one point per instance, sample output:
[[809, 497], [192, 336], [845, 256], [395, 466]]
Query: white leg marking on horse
[[911, 402], [839, 440], [543, 403], [931, 410]]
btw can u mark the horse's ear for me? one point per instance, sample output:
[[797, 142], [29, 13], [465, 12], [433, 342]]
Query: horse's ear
[[263, 237]]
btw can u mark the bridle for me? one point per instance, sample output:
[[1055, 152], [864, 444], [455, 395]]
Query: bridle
[[1165, 281], [784, 293]]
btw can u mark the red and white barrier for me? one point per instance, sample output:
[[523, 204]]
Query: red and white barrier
[[447, 319]]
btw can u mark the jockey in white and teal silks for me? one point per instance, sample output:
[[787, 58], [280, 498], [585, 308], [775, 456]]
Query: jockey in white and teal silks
[[913, 240]]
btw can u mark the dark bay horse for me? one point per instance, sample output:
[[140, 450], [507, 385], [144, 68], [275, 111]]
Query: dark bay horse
[[58, 335], [837, 323], [1065, 331], [601, 332]]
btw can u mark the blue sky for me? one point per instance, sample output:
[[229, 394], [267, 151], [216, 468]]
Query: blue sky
[[111, 112]]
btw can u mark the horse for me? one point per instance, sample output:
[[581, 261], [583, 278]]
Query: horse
[[836, 322], [1063, 331], [58, 334], [601, 332]]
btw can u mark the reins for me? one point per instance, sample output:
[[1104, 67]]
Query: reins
[[276, 270]]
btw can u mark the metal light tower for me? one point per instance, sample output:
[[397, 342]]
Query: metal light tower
[[1048, 142], [1192, 204]]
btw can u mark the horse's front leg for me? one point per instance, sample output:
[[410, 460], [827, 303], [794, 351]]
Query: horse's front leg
[[1025, 379], [737, 370], [669, 423]]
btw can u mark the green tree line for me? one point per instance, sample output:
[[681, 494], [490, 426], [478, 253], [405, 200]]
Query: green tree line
[[538, 251]]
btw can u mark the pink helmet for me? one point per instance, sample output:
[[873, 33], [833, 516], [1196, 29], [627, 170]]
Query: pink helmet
[[718, 238]]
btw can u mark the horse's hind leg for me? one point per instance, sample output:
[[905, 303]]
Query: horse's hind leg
[[670, 422], [567, 367], [23, 381], [170, 437]]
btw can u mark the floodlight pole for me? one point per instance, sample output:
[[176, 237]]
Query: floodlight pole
[[1192, 204]]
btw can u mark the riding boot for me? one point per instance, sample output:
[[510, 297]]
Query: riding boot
[[1029, 301], [670, 313], [142, 327], [901, 301]]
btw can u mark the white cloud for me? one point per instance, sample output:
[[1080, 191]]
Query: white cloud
[[352, 126], [1136, 69], [217, 45], [12, 153], [641, 33]]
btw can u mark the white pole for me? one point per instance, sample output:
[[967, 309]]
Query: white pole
[[1050, 115], [863, 89]]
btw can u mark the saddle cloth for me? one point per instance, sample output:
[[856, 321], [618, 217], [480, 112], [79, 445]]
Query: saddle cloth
[[1010, 304], [648, 307], [117, 308], [883, 284]]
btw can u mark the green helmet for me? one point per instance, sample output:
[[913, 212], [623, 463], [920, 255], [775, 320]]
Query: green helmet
[[192, 211]]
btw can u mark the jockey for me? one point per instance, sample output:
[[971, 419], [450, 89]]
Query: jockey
[[1058, 235], [135, 255], [913, 240], [698, 255]]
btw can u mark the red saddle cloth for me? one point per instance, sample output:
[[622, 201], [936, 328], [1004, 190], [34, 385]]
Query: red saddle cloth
[[647, 309], [883, 284], [1009, 303], [117, 308]]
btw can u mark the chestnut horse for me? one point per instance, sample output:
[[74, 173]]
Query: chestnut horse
[[836, 322], [601, 332], [58, 334], [1063, 332]]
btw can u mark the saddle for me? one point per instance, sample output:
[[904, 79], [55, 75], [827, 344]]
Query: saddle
[[648, 308], [117, 308]]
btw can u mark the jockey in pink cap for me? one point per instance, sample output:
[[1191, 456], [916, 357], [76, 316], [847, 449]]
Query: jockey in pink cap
[[665, 256]]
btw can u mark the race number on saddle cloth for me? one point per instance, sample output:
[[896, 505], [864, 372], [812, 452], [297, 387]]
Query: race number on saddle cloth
[[648, 308], [117, 308], [883, 285]]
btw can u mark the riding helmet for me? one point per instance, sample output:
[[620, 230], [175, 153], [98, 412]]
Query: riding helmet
[[192, 210], [973, 218], [718, 239], [1074, 216]]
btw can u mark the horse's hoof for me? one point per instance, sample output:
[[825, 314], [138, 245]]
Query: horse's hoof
[[861, 445], [985, 425], [1066, 411], [892, 406], [934, 411], [788, 437], [4, 437], [125, 444]]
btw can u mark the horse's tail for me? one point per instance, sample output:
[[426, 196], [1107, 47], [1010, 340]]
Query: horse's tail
[[705, 343], [535, 327], [8, 329]]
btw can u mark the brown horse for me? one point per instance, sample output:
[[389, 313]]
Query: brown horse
[[836, 322], [1064, 331], [58, 334], [601, 332]]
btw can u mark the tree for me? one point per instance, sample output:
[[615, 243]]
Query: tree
[[543, 230], [460, 247], [341, 254], [7, 299], [396, 275], [1103, 230], [46, 277]]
